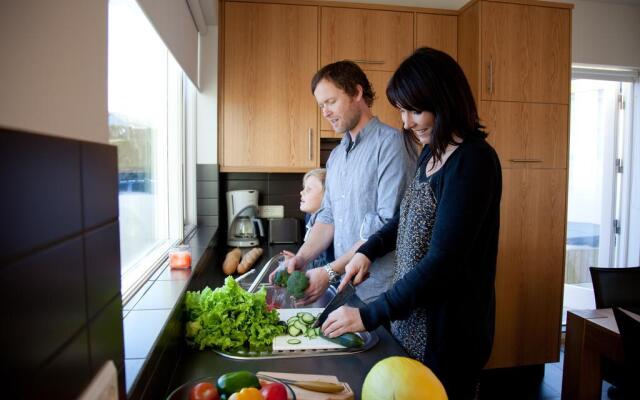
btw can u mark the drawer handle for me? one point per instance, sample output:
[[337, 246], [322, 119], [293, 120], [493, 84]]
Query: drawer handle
[[310, 142], [368, 61], [525, 160]]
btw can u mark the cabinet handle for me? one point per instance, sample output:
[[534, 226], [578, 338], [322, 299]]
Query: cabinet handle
[[310, 141], [368, 61], [490, 77], [525, 160]]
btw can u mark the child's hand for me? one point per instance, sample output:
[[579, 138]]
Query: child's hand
[[287, 254]]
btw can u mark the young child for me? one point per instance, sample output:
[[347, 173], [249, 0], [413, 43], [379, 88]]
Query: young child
[[310, 202]]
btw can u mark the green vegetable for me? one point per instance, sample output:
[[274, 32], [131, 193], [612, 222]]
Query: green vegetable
[[293, 341], [229, 318], [347, 340], [282, 275], [232, 382], [297, 284]]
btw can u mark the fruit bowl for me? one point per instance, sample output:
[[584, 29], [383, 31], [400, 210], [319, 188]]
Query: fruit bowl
[[182, 392]]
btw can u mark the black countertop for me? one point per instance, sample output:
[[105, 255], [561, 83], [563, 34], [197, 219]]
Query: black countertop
[[352, 368]]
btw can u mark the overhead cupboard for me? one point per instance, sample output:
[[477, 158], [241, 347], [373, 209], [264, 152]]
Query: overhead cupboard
[[516, 55]]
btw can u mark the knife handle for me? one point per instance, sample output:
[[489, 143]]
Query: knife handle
[[318, 386]]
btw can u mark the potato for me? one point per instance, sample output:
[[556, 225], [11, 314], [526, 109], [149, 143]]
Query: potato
[[231, 261], [249, 260]]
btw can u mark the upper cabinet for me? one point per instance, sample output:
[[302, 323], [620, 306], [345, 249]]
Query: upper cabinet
[[376, 40], [525, 52], [437, 31], [269, 119]]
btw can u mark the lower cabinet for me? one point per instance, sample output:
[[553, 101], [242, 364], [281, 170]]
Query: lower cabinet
[[529, 279]]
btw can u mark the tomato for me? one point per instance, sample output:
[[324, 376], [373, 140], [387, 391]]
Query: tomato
[[204, 391], [274, 391]]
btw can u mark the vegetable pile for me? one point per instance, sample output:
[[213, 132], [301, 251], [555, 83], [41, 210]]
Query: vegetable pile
[[239, 385], [228, 318], [301, 324]]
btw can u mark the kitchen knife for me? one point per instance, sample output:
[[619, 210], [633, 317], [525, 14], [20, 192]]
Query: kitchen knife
[[341, 298]]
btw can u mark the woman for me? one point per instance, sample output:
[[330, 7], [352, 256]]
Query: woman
[[446, 234]]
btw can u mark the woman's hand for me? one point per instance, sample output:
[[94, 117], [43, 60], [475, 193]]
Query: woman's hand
[[358, 267], [343, 320], [318, 284]]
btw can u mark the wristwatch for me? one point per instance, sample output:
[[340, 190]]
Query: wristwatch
[[333, 275]]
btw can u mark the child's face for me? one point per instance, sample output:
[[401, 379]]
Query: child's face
[[311, 195]]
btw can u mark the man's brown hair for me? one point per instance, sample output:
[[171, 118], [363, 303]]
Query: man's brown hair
[[346, 75]]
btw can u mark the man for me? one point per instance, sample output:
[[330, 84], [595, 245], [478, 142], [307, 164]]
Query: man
[[366, 177]]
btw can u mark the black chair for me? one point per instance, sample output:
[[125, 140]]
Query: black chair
[[615, 287], [629, 329]]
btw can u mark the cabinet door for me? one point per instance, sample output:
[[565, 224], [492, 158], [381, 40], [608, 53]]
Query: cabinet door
[[527, 135], [376, 40], [270, 118], [381, 106], [437, 31], [525, 53], [530, 267]]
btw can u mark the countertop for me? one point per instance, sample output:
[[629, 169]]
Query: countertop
[[352, 368]]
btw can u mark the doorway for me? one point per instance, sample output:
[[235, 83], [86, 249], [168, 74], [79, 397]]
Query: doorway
[[600, 164]]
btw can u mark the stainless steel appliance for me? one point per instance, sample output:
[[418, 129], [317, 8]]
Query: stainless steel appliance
[[242, 214]]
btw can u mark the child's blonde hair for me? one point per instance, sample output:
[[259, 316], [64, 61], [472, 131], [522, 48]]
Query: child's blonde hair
[[319, 173]]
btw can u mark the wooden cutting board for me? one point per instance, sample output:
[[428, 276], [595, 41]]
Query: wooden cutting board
[[304, 394], [317, 343]]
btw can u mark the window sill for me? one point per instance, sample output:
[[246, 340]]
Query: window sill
[[146, 315]]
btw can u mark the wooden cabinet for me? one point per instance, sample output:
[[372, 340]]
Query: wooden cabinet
[[525, 53], [269, 119], [377, 40], [437, 31], [527, 135], [529, 271], [516, 57]]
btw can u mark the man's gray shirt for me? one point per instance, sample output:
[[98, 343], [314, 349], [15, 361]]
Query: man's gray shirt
[[365, 182]]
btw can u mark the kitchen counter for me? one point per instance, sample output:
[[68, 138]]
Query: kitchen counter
[[352, 368]]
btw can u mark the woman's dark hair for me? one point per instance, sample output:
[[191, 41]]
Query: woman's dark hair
[[430, 80], [346, 75]]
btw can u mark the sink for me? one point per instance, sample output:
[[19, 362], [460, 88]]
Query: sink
[[278, 295]]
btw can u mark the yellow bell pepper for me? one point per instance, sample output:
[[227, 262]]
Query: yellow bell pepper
[[249, 394]]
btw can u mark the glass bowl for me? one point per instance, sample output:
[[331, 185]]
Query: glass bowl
[[182, 393], [277, 297]]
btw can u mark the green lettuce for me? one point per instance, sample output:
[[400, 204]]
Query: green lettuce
[[229, 318]]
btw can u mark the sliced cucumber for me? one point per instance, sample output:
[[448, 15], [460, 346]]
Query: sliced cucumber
[[294, 331], [292, 320], [293, 341], [300, 325], [307, 318]]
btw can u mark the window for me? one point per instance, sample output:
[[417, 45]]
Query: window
[[149, 123], [600, 166]]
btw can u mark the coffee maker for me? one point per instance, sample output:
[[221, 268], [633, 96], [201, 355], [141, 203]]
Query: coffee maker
[[242, 216]]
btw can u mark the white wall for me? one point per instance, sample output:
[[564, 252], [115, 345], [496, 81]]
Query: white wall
[[207, 147], [606, 33], [53, 67]]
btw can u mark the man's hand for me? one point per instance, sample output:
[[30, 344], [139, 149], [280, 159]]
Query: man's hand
[[343, 320], [358, 267], [318, 284]]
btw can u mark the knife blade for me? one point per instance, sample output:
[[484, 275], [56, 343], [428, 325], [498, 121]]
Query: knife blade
[[341, 298]]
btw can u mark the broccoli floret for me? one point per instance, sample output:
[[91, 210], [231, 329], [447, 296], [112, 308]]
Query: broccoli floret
[[297, 284], [282, 275]]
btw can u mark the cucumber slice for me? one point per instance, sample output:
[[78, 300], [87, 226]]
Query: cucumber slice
[[293, 341], [292, 320], [300, 325], [293, 331], [307, 318]]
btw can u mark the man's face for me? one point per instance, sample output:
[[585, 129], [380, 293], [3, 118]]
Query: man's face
[[340, 109]]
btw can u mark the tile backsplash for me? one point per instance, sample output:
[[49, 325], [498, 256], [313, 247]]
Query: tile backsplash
[[60, 297]]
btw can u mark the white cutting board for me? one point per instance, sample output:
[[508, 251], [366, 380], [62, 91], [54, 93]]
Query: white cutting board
[[317, 343]]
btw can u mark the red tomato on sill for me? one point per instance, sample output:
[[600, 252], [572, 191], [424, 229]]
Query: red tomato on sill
[[274, 391], [204, 391]]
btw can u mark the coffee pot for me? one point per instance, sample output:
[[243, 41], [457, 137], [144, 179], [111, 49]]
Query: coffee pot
[[244, 227]]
